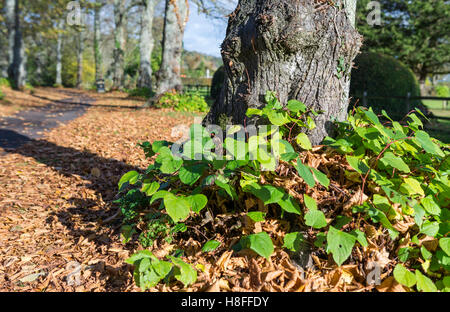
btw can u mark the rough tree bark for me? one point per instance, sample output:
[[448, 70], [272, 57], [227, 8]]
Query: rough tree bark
[[97, 39], [293, 47], [16, 68], [80, 59], [146, 44], [119, 43], [176, 17], [58, 80]]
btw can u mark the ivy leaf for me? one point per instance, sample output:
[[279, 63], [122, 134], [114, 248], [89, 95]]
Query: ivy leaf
[[321, 177], [404, 276], [340, 244], [310, 203], [278, 118], [430, 205], [429, 146], [357, 164], [190, 174], [360, 237], [197, 202], [230, 191], [305, 173], [187, 274], [261, 243], [257, 216], [267, 193], [424, 283], [430, 228], [304, 142], [178, 208], [150, 188], [391, 160], [294, 241], [211, 246], [412, 187], [130, 177], [444, 243], [315, 219], [296, 106], [289, 204]]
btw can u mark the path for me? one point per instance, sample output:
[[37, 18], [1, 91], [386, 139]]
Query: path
[[31, 124]]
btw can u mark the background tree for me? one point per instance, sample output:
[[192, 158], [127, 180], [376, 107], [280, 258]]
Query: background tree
[[175, 19], [146, 44], [120, 19], [415, 32], [302, 50], [16, 69]]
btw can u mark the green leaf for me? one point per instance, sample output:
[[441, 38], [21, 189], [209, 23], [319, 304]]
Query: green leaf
[[261, 243], [404, 276], [305, 173], [360, 237], [267, 193], [278, 118], [197, 202], [289, 204], [412, 187], [139, 255], [294, 241], [340, 244], [391, 160], [429, 146], [321, 177], [230, 191], [304, 142], [130, 177], [430, 205], [158, 195], [187, 274], [296, 106], [190, 174], [257, 216], [310, 203], [177, 208], [315, 219], [430, 228], [253, 111], [150, 188], [424, 283], [444, 243], [211, 246], [357, 164]]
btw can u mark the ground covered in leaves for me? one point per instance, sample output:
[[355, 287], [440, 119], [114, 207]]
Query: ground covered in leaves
[[56, 204]]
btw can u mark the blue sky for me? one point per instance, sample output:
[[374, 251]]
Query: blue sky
[[204, 34]]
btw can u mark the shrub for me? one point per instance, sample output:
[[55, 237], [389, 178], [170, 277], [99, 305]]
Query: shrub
[[141, 92], [400, 169], [183, 102], [217, 82], [380, 76], [442, 91], [2, 95], [4, 82]]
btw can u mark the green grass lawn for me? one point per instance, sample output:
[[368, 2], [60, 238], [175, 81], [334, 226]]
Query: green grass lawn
[[440, 129]]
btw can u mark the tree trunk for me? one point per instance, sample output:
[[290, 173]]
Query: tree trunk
[[293, 47], [80, 59], [58, 80], [16, 69], [97, 38], [119, 43], [146, 44], [176, 17]]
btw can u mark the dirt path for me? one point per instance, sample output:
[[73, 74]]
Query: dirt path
[[31, 124]]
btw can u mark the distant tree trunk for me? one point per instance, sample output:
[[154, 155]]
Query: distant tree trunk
[[146, 44], [176, 17], [295, 48], [119, 43], [58, 80], [80, 59], [97, 39], [16, 69]]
